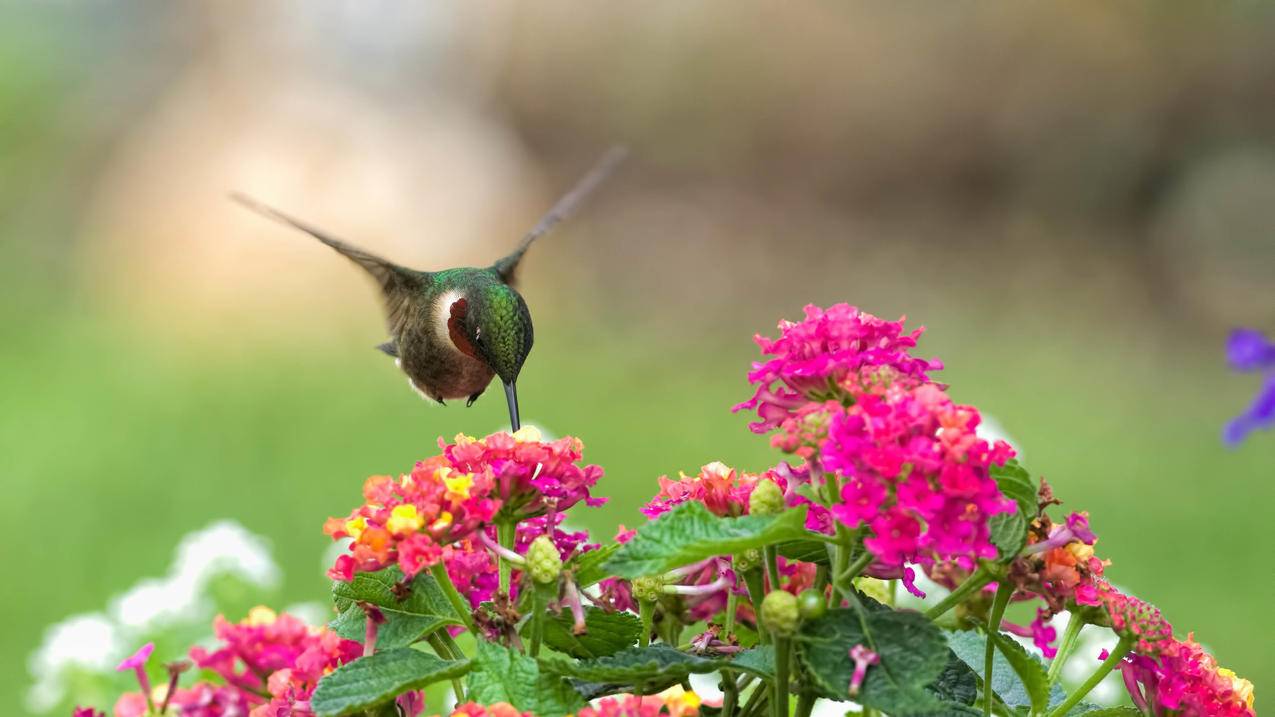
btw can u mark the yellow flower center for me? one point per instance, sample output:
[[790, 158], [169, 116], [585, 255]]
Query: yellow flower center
[[443, 523], [260, 615], [458, 485], [1242, 687], [404, 519], [1081, 551], [356, 527], [528, 434]]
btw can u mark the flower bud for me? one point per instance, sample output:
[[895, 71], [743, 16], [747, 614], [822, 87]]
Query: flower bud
[[746, 560], [543, 561], [811, 604], [647, 588], [766, 499], [779, 612]]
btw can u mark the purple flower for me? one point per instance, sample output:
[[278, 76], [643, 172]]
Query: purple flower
[[1261, 414], [1250, 350]]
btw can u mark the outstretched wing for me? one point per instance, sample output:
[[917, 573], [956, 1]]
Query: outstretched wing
[[398, 284], [507, 266]]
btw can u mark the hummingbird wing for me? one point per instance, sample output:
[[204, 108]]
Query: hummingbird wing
[[565, 207], [398, 284]]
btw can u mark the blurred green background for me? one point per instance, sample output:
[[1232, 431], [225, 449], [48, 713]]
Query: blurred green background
[[1078, 200]]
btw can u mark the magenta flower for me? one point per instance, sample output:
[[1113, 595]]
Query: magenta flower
[[1184, 679], [813, 357], [532, 476], [87, 712], [1044, 634], [863, 657], [916, 474], [1138, 620], [1250, 350], [137, 663]]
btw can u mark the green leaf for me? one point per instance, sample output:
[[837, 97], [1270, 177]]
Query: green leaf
[[1029, 669], [606, 633], [760, 661], [913, 655], [502, 675], [1009, 534], [1125, 711], [689, 533], [957, 683], [641, 665], [422, 609], [1016, 483], [969, 646], [369, 681], [806, 551], [587, 567]]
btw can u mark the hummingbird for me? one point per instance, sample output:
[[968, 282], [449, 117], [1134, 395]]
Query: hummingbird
[[451, 331]]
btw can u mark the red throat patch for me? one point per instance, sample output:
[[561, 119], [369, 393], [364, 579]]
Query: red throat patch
[[456, 328]]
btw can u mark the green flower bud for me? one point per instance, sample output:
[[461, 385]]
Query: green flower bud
[[648, 588], [543, 561], [766, 499], [779, 612], [746, 560], [811, 604]]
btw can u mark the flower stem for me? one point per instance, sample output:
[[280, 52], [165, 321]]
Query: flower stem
[[505, 536], [463, 611], [772, 565], [439, 641], [999, 603], [805, 703], [855, 568], [1072, 632], [730, 693], [1103, 670], [732, 607], [646, 611], [779, 703], [975, 581], [537, 620], [752, 579]]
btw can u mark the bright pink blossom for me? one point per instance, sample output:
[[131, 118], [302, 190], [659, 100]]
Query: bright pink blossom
[[863, 658], [1138, 620], [1183, 679], [813, 357], [411, 520], [914, 471], [87, 712], [498, 709], [532, 476], [685, 704], [208, 700]]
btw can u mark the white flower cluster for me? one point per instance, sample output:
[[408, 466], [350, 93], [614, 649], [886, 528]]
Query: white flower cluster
[[96, 642]]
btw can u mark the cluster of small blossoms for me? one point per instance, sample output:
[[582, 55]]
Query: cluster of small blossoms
[[473, 568], [915, 472], [531, 476], [685, 704], [812, 358], [498, 709], [409, 521], [1181, 678]]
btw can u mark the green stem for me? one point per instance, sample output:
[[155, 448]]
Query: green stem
[[730, 696], [754, 699], [779, 704], [975, 581], [732, 607], [1103, 670], [852, 572], [646, 611], [752, 579], [445, 651], [538, 608], [1070, 635], [772, 565], [999, 603], [805, 703], [439, 571], [505, 531]]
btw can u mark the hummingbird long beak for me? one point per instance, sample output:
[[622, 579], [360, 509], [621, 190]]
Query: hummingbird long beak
[[511, 396]]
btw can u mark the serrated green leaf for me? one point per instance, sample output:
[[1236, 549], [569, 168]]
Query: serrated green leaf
[[1016, 483], [760, 661], [969, 646], [369, 681], [1029, 670], [641, 665], [1125, 711], [606, 632], [587, 566], [422, 610], [913, 654], [1009, 534], [502, 675], [690, 533], [806, 551], [957, 683]]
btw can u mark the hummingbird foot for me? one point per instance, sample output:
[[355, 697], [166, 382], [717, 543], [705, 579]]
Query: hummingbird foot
[[511, 396], [473, 398]]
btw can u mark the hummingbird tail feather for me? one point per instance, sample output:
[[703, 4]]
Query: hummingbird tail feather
[[565, 207]]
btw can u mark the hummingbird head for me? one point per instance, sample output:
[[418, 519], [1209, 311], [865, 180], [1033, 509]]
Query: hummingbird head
[[501, 328]]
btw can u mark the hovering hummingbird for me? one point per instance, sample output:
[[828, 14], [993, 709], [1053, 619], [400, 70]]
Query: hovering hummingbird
[[452, 330]]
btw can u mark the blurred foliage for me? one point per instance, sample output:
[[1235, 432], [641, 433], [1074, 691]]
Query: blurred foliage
[[1077, 199]]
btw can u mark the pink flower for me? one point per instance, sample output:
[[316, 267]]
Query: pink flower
[[722, 489], [1138, 620], [87, 712], [474, 570], [1044, 634], [137, 663], [499, 709], [208, 700], [532, 476], [411, 520], [917, 475], [863, 657], [813, 357], [680, 705], [1184, 679]]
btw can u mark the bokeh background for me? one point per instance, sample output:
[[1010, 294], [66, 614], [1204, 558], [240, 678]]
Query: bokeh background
[[1078, 200]]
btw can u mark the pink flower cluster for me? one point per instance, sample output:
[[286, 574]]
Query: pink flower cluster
[[1184, 679], [531, 476], [1137, 620], [473, 569], [917, 475], [685, 704], [722, 489], [814, 357], [277, 655], [409, 521], [498, 709]]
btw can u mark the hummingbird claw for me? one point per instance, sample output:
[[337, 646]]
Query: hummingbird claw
[[473, 398]]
